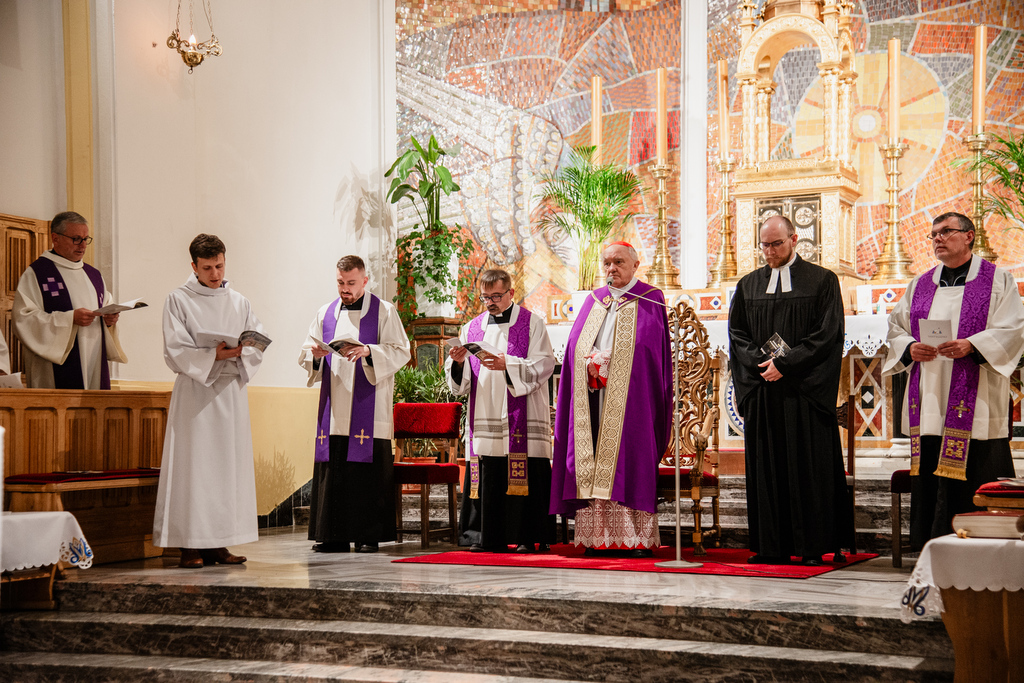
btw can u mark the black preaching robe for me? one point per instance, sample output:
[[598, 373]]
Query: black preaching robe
[[353, 501], [797, 500]]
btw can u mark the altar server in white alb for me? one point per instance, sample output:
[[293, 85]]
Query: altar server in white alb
[[66, 344], [206, 500], [957, 402], [353, 491], [509, 428]]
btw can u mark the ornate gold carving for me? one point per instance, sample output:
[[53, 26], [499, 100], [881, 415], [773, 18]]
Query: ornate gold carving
[[613, 410], [978, 144], [583, 455], [750, 54]]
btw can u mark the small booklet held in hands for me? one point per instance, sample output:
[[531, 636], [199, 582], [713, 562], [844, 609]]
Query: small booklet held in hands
[[337, 346], [480, 349], [118, 308], [776, 347], [211, 340]]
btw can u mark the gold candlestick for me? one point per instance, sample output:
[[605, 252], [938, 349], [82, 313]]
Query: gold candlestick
[[978, 144], [725, 265], [662, 273], [893, 264]]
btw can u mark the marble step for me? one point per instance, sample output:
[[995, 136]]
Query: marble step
[[476, 650], [723, 621], [49, 667]]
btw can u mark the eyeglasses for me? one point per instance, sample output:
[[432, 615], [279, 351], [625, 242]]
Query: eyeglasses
[[772, 245], [493, 298], [77, 240], [944, 233]]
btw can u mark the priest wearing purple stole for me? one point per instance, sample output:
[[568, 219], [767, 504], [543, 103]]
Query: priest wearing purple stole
[[797, 500], [956, 405], [353, 493], [614, 412], [66, 344], [508, 480]]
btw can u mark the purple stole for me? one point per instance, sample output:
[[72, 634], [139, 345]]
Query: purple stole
[[963, 385], [68, 375], [364, 394], [518, 346]]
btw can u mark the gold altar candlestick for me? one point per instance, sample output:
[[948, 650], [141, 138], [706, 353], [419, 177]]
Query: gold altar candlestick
[[595, 118], [894, 263], [662, 273], [725, 265], [978, 144]]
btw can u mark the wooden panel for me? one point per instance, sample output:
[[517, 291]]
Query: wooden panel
[[81, 433], [36, 451], [153, 423], [117, 439], [22, 240]]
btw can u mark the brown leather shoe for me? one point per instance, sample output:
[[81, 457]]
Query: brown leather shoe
[[211, 556], [190, 559]]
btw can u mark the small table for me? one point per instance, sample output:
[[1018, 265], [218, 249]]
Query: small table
[[32, 545], [980, 595]]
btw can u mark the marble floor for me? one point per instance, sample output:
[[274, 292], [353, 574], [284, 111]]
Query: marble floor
[[283, 558]]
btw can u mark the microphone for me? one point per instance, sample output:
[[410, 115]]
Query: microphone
[[608, 281]]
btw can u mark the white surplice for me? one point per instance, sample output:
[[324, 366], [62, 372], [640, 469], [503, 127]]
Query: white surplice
[[389, 354], [47, 338], [207, 492], [5, 356], [529, 378], [1001, 343]]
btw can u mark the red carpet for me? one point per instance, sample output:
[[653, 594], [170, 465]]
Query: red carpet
[[719, 561]]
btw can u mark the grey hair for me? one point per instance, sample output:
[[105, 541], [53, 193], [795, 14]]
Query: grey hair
[[964, 222], [62, 220], [632, 252]]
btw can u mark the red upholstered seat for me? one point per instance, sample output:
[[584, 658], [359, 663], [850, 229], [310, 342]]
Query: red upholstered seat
[[62, 477], [427, 420], [997, 489], [426, 473], [900, 482], [667, 478]]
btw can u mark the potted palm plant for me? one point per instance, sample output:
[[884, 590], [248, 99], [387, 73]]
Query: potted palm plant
[[589, 201], [1003, 163]]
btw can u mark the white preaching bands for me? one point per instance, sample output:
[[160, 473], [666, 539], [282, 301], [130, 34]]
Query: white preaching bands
[[787, 284]]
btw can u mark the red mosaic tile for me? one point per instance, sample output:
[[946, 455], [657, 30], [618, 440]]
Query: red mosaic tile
[[642, 142], [577, 28], [654, 36], [531, 36]]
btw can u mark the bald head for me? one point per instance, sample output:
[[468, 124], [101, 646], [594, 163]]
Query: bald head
[[778, 239]]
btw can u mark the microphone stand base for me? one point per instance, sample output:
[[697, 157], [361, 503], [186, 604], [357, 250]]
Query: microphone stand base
[[679, 564]]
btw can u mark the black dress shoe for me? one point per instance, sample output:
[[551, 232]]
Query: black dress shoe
[[767, 559], [331, 547], [641, 552], [544, 548], [367, 548], [522, 548], [590, 552], [476, 548], [839, 557], [811, 562]]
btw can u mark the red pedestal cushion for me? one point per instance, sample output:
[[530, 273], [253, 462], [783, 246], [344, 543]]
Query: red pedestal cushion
[[60, 477], [900, 482], [997, 489], [426, 473], [667, 478], [427, 420]]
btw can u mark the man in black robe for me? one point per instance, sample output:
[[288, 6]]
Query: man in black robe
[[797, 501]]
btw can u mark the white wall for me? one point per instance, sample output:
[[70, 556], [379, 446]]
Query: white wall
[[277, 146], [33, 178]]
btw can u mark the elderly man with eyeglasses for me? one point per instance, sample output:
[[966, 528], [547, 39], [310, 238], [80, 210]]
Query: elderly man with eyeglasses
[[508, 480], [67, 345], [797, 501], [959, 387]]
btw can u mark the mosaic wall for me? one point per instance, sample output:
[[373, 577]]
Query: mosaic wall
[[509, 80], [936, 71]]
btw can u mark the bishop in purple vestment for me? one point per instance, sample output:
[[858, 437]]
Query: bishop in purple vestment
[[613, 415]]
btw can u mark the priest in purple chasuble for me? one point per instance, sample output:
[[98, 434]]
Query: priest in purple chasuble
[[66, 345], [508, 480], [614, 412], [206, 498], [353, 494], [797, 500], [958, 393]]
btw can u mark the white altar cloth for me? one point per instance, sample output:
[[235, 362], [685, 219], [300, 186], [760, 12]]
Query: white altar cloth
[[38, 539], [977, 564]]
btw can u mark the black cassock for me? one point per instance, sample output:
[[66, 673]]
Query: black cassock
[[797, 500], [353, 501], [497, 520]]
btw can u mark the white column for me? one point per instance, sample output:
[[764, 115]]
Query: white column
[[693, 182]]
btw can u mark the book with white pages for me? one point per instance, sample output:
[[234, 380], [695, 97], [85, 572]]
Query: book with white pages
[[118, 308], [1007, 523], [11, 381], [336, 346], [211, 340], [480, 349], [935, 333]]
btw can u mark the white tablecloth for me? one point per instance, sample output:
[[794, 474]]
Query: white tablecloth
[[977, 564], [37, 539]]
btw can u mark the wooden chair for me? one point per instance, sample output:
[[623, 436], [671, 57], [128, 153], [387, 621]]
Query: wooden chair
[[697, 381], [845, 415], [438, 422]]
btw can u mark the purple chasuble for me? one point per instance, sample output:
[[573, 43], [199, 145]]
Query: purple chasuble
[[518, 346], [963, 385], [68, 375], [360, 445]]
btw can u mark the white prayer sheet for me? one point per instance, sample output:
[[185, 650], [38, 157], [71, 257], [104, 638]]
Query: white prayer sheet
[[11, 381], [117, 308], [211, 340], [480, 349], [936, 332]]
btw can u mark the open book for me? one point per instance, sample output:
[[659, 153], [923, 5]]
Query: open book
[[210, 340], [480, 349], [338, 345], [117, 308], [1007, 523]]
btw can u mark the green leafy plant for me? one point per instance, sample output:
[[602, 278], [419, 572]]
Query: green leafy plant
[[1003, 163], [424, 253], [589, 201]]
